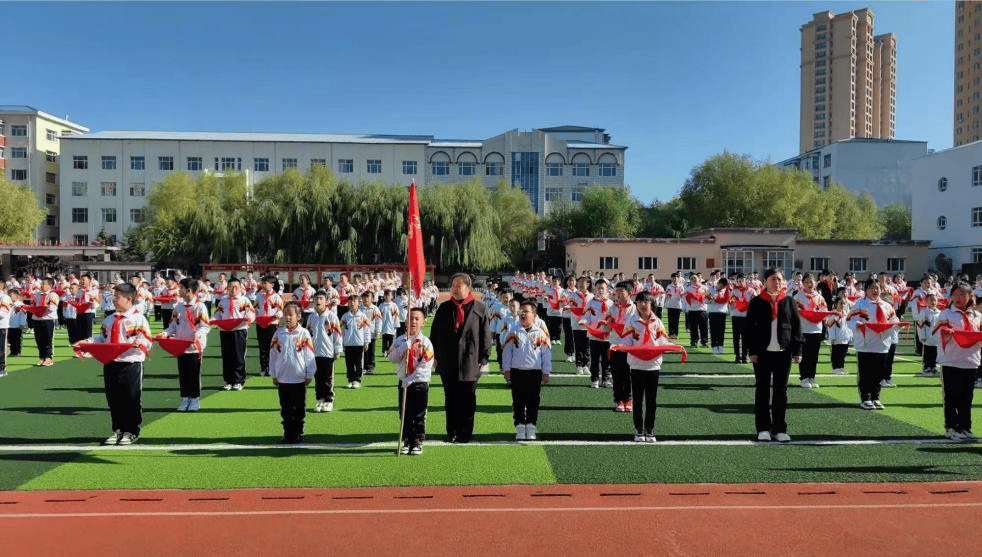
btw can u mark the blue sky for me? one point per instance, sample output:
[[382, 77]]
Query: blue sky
[[676, 82]]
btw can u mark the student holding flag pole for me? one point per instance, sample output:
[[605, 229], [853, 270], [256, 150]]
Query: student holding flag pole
[[413, 354]]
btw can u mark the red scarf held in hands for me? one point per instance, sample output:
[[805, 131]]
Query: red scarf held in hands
[[459, 318], [774, 302]]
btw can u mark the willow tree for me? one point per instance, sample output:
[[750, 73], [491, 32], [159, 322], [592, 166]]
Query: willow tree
[[19, 212], [460, 228], [294, 217]]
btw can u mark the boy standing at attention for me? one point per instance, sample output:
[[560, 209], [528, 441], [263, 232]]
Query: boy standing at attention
[[325, 331], [526, 361], [291, 363], [355, 330], [234, 305], [374, 317], [189, 322], [414, 374]]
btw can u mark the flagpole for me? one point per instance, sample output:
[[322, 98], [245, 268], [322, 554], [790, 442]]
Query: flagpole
[[409, 260], [405, 388]]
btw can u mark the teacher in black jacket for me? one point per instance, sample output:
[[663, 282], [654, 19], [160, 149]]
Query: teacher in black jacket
[[774, 340], [461, 336]]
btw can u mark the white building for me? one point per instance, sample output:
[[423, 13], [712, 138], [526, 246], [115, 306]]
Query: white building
[[947, 205], [880, 167], [106, 175]]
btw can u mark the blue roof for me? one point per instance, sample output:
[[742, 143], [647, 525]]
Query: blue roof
[[258, 136]]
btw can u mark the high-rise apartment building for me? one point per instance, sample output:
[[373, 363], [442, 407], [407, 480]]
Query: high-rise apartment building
[[848, 79], [968, 72], [30, 150]]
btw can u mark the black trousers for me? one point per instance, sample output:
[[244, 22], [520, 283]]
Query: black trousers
[[582, 344], [71, 329], [189, 375], [460, 399], [930, 355], [872, 369], [599, 363], [673, 321], [370, 356], [809, 355], [264, 337], [292, 402], [324, 379], [14, 336], [555, 325], [567, 336], [123, 382], [84, 323], [156, 312], [354, 362], [839, 352], [166, 314], [621, 374], [959, 389], [387, 342], [497, 350], [526, 387], [717, 328], [918, 346], [888, 363], [644, 386], [44, 332], [417, 398], [698, 327], [3, 349], [233, 356], [771, 391], [739, 326]]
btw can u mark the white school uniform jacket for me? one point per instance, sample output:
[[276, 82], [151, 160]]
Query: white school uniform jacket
[[926, 320], [109, 306], [673, 296], [596, 311], [422, 364], [950, 353], [325, 330], [740, 300], [238, 307], [291, 355], [691, 297], [719, 300], [269, 305], [390, 318], [305, 295], [133, 327], [374, 317], [839, 331], [190, 322], [6, 310], [639, 332], [578, 299], [18, 319], [355, 329], [624, 315], [50, 300], [523, 348], [871, 341], [812, 302], [69, 311], [658, 292], [93, 296]]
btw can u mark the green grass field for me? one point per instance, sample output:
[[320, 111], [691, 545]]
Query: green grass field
[[704, 428]]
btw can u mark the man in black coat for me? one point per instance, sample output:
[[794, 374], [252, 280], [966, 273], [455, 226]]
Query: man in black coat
[[774, 340], [461, 336]]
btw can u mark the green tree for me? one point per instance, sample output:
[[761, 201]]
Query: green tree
[[607, 212], [459, 231], [896, 220], [518, 224], [19, 212]]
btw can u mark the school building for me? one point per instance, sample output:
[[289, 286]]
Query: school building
[[744, 250], [106, 176]]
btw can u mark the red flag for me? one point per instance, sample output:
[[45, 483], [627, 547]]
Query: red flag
[[417, 264]]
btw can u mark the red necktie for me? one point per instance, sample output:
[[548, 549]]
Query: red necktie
[[880, 316], [115, 334], [266, 304], [190, 314], [411, 364], [647, 331]]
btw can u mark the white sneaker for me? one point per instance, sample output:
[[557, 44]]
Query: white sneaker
[[112, 439], [227, 387], [405, 449], [968, 435], [839, 371], [530, 432], [887, 383], [319, 407], [183, 406], [127, 439], [806, 384], [878, 405], [356, 384], [194, 405], [238, 386], [351, 384], [649, 437], [925, 373], [867, 405], [978, 383], [954, 435], [813, 384], [521, 433], [594, 384], [782, 437], [763, 435], [328, 406], [639, 436], [570, 359]]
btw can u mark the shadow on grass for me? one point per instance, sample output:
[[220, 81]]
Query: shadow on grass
[[923, 470]]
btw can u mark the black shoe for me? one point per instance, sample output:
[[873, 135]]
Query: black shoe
[[451, 438], [463, 439]]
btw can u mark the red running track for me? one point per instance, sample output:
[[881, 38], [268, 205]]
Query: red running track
[[609, 520]]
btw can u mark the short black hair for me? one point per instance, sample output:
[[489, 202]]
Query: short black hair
[[125, 290]]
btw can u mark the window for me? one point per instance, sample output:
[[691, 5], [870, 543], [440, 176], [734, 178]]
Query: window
[[466, 169], [827, 161], [80, 189], [80, 214], [779, 259], [826, 180], [608, 263], [138, 189], [228, 163], [553, 194], [895, 264], [976, 255], [495, 169], [409, 167], [738, 261], [608, 169], [976, 216], [260, 165], [346, 166], [318, 162], [51, 219], [18, 175], [49, 199], [942, 222], [50, 177], [138, 163], [51, 135], [195, 164], [554, 169], [647, 263], [441, 168], [686, 263], [977, 175], [942, 183], [80, 239], [820, 264], [373, 166], [857, 264], [18, 130], [577, 194], [136, 215], [109, 215], [289, 163], [18, 152], [165, 163], [51, 156], [109, 163], [581, 169], [108, 189]]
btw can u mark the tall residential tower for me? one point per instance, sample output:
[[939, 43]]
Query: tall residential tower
[[968, 72]]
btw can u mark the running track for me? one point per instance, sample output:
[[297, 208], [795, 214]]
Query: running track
[[609, 520]]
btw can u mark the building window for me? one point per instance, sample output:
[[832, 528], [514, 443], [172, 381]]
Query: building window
[[647, 263], [51, 219], [51, 135], [977, 175], [581, 169], [942, 183], [895, 264], [942, 222], [826, 180], [976, 255], [109, 215], [441, 168], [165, 163], [228, 163], [108, 189], [577, 195], [373, 166], [553, 194], [18, 130], [50, 198], [346, 166], [289, 163], [739, 261], [976, 216], [608, 169], [50, 177], [466, 169], [80, 239], [260, 165], [554, 169], [857, 264], [686, 263], [827, 161], [80, 214], [18, 175], [138, 163], [109, 163], [607, 263], [409, 168], [779, 260], [138, 189], [51, 156], [318, 162], [80, 189], [820, 264], [195, 164], [495, 169], [136, 216]]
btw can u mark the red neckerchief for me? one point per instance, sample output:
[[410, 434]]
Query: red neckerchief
[[115, 335], [966, 322], [189, 312], [722, 296], [620, 311], [265, 304], [880, 315], [411, 364], [767, 296], [646, 339], [459, 318], [603, 305]]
